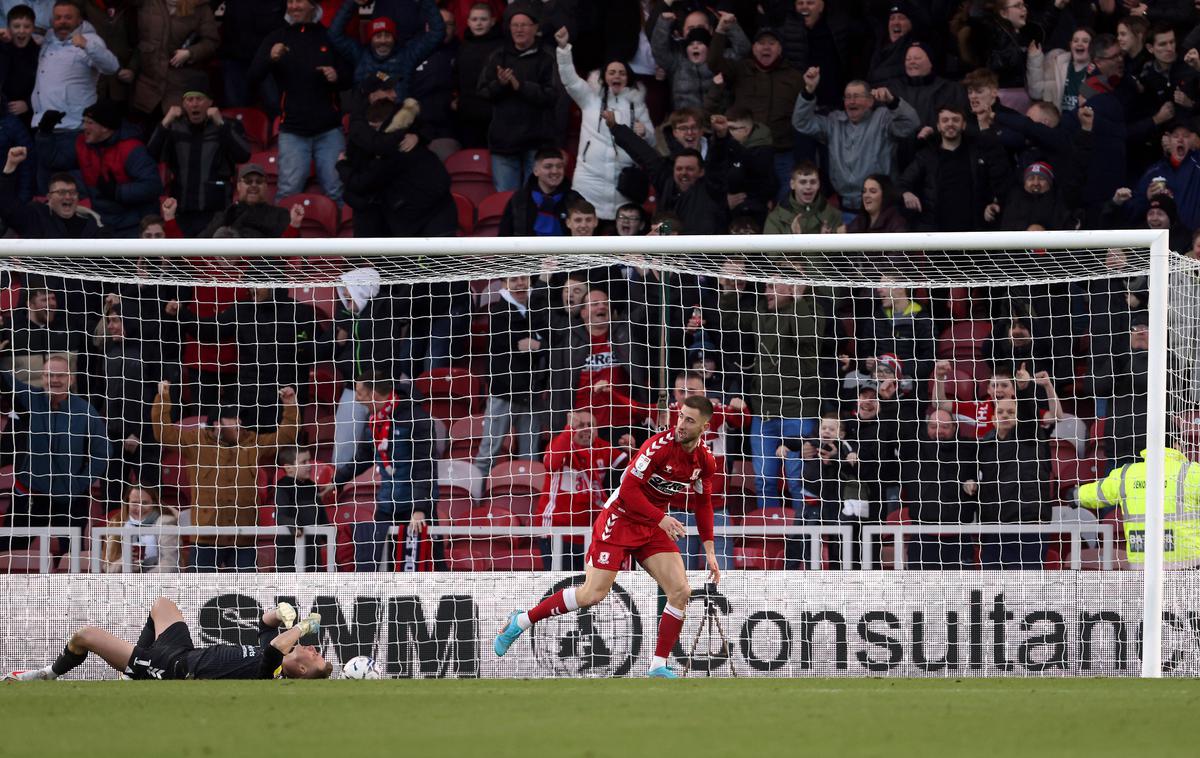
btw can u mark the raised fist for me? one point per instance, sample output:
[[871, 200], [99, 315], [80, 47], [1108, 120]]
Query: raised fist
[[169, 206], [562, 36], [278, 50], [164, 388], [812, 78], [287, 395], [16, 156], [296, 213]]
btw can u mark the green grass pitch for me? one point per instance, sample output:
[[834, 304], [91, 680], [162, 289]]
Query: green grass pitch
[[966, 718]]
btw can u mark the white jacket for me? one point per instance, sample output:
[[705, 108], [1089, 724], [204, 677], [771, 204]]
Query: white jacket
[[599, 162], [1046, 75]]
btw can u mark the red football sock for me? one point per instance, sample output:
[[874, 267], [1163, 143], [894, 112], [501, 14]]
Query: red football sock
[[555, 605], [669, 627]]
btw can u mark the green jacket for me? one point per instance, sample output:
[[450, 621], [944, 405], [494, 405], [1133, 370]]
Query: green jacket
[[1126, 487], [781, 380], [814, 216]]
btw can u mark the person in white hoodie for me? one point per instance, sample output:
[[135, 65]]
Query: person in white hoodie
[[600, 162]]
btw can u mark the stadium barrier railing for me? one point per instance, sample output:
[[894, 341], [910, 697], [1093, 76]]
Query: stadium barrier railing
[[898, 531], [129, 532], [43, 535]]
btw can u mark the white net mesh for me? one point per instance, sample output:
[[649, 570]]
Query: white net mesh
[[874, 410]]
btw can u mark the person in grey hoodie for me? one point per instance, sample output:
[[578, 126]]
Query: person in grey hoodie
[[860, 137]]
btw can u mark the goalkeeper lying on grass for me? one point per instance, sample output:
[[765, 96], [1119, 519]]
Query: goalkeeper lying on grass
[[165, 650]]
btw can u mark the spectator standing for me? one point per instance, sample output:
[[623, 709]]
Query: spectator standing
[[940, 483], [59, 217], [519, 81], [766, 85], [116, 23], [433, 88], [805, 210], [244, 26], [150, 553], [297, 505], [539, 209], [310, 74], [1179, 169], [1056, 76], [828, 492], [202, 150], [402, 450], [70, 63], [954, 177], [252, 215], [601, 160], [65, 451], [1013, 489], [881, 208], [117, 170], [20, 60], [860, 137], [782, 384], [480, 41], [223, 463], [518, 347], [383, 52], [175, 41], [816, 33], [42, 16], [926, 92], [686, 64], [899, 327]]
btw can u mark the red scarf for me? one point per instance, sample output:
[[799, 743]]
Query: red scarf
[[381, 430]]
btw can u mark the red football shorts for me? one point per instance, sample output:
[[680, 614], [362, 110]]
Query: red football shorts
[[614, 537]]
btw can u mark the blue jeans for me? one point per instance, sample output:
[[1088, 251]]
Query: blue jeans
[[297, 154], [238, 95], [509, 172], [370, 537], [206, 558], [502, 414], [766, 435], [54, 153], [693, 549], [785, 161]]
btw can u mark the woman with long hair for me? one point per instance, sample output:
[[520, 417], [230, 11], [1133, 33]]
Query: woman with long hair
[[152, 553], [881, 207], [600, 162]]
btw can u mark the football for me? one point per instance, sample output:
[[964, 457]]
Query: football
[[362, 667]]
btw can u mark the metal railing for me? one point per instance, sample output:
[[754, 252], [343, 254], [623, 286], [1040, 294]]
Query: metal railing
[[129, 532], [899, 531], [557, 533], [73, 534]]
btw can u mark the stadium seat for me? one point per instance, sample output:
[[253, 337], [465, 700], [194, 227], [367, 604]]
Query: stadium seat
[[763, 553], [324, 299], [450, 393], [489, 212], [1064, 466], [471, 174], [20, 562], [459, 480], [964, 340], [255, 123], [495, 554], [517, 477], [320, 214], [466, 214], [465, 436], [449, 510]]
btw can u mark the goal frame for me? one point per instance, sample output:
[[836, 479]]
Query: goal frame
[[1159, 288]]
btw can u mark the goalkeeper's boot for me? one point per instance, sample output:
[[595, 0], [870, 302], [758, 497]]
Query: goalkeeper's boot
[[661, 672], [28, 676], [287, 615], [508, 635]]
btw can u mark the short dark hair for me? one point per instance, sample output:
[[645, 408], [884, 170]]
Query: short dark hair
[[702, 404], [21, 11], [747, 223], [1157, 29], [985, 77], [949, 108], [805, 168], [581, 206], [547, 153], [1135, 24], [687, 152], [739, 113], [378, 382], [63, 177], [480, 7], [148, 221], [1102, 43], [289, 454]]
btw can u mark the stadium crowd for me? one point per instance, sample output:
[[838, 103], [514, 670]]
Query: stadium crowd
[[518, 401]]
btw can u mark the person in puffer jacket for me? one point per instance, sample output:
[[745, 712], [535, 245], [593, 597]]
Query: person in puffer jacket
[[600, 161]]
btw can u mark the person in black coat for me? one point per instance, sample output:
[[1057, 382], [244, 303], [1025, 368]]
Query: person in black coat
[[297, 505], [1036, 203], [539, 209], [954, 177], [244, 26], [251, 215], [433, 87], [926, 92], [1014, 476], [480, 41], [59, 217], [518, 349], [940, 481], [685, 183]]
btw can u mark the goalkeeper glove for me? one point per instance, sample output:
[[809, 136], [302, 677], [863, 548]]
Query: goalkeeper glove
[[287, 615], [310, 625]]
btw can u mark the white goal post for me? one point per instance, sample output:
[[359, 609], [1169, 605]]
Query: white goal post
[[928, 261]]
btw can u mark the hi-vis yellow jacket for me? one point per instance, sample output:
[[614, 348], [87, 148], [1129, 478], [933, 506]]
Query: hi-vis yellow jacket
[[1125, 487]]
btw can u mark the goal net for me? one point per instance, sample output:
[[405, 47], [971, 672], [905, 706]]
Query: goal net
[[904, 434]]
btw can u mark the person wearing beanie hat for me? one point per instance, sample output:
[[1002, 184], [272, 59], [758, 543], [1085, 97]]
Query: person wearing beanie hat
[[686, 63], [118, 172], [1161, 213], [382, 53], [1036, 201], [926, 92], [1178, 169], [201, 148], [521, 82]]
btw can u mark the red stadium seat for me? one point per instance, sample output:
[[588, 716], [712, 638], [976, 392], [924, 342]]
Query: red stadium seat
[[450, 393], [471, 174], [255, 123], [763, 553], [964, 340], [496, 553], [466, 214], [346, 225], [465, 436], [459, 480], [489, 212], [518, 477], [320, 214]]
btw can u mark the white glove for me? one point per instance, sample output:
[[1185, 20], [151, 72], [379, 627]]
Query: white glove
[[287, 615], [856, 508]]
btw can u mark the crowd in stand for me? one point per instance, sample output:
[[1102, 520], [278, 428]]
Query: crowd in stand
[[163, 119]]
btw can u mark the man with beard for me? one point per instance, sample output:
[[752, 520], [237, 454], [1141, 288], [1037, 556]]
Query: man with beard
[[939, 484]]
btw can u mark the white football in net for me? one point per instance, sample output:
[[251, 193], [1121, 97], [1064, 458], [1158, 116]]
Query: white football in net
[[362, 667]]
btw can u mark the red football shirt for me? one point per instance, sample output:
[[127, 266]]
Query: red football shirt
[[663, 476]]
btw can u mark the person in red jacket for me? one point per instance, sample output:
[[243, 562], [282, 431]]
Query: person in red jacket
[[578, 465]]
